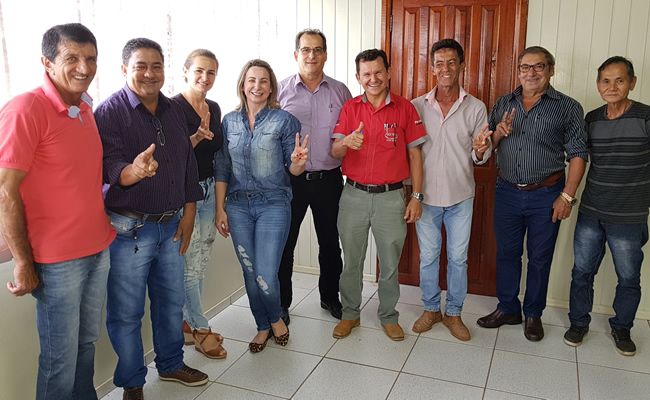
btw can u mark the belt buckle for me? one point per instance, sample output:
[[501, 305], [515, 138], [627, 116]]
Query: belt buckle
[[310, 176], [165, 215], [522, 186]]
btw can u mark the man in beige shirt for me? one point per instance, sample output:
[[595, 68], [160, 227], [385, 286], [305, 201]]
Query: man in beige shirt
[[456, 123]]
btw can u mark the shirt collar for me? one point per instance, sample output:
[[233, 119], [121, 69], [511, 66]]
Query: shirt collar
[[431, 96], [54, 97], [364, 99], [550, 92], [298, 81], [134, 100], [261, 114]]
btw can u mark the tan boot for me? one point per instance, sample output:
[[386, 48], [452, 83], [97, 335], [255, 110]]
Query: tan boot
[[456, 327], [394, 331], [344, 328], [426, 321]]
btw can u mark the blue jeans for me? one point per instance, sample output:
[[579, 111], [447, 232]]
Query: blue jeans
[[259, 225], [198, 256], [144, 256], [625, 242], [516, 213], [458, 225], [69, 303]]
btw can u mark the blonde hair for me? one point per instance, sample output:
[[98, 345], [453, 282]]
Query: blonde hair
[[272, 101]]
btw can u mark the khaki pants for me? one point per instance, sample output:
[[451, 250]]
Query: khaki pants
[[384, 213]]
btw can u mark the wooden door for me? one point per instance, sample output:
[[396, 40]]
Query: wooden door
[[492, 33]]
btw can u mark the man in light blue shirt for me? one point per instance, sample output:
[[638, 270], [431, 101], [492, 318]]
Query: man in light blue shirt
[[316, 100]]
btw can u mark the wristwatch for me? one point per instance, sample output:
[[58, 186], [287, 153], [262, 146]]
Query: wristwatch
[[417, 196], [571, 200]]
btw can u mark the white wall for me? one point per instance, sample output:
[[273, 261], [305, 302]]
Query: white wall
[[582, 34]]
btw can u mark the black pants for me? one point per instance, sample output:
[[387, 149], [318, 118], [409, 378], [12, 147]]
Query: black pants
[[322, 194]]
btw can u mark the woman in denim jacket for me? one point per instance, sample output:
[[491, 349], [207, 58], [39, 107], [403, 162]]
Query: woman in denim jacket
[[261, 146]]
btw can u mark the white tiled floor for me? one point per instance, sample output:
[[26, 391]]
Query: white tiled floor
[[497, 364]]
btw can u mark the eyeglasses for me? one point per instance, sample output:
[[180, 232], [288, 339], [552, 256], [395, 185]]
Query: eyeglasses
[[159, 130], [539, 67], [318, 51]]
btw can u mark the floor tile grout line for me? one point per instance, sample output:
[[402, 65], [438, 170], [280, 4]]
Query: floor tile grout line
[[577, 372], [230, 366], [210, 383], [403, 365], [615, 368], [307, 377], [516, 394], [250, 390], [442, 380], [494, 349], [535, 355]]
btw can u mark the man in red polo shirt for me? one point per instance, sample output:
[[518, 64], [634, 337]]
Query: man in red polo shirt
[[52, 211], [378, 136]]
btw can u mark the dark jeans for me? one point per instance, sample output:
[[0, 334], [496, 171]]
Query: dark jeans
[[322, 195], [625, 242], [516, 213]]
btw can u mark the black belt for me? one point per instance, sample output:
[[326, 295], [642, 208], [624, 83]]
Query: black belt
[[318, 175], [375, 188], [158, 218]]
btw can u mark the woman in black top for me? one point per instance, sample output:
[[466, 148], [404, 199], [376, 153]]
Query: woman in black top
[[203, 118]]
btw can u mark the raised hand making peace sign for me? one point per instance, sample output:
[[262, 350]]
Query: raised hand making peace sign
[[300, 153]]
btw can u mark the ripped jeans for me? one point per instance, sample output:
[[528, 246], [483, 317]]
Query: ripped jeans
[[198, 257], [259, 225]]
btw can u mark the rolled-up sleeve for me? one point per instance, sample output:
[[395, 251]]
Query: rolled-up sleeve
[[479, 123], [575, 134], [291, 127]]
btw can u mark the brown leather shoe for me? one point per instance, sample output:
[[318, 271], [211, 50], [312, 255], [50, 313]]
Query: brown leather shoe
[[134, 393], [394, 331], [498, 318], [207, 343], [426, 321], [533, 329], [344, 328], [456, 327], [188, 376]]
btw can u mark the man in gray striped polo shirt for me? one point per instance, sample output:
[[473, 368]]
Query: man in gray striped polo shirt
[[536, 129], [614, 206]]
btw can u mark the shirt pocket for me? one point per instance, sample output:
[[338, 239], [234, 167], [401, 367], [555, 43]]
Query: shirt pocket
[[233, 140], [268, 141], [392, 136]]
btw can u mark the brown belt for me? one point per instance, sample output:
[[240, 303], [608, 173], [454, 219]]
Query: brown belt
[[548, 182]]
